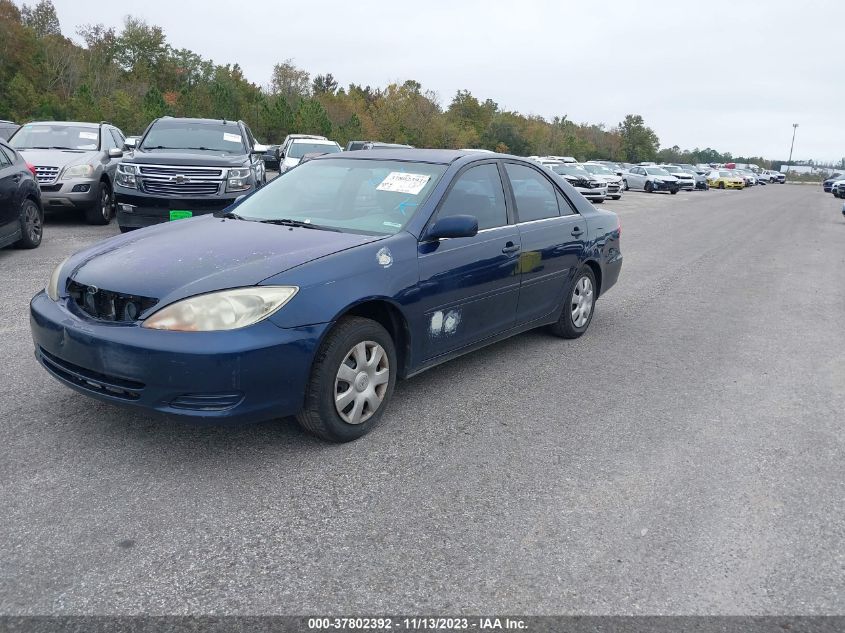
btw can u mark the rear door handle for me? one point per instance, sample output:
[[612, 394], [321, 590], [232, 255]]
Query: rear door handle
[[577, 231], [510, 247]]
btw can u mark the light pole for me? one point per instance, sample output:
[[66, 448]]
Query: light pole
[[794, 127]]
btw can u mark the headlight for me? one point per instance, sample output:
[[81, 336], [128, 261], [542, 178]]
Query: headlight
[[657, 181], [125, 176], [78, 171], [53, 285], [238, 179], [225, 310]]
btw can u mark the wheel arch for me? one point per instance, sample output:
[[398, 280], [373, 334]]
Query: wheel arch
[[387, 314], [594, 266]]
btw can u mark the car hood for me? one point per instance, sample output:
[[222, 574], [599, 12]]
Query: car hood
[[669, 178], [181, 157], [179, 259], [57, 157]]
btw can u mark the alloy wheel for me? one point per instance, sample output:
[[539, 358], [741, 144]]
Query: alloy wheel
[[32, 223], [582, 302], [361, 382]]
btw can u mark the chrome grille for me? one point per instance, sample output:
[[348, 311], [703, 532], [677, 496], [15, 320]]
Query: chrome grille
[[46, 175], [186, 172], [172, 188]]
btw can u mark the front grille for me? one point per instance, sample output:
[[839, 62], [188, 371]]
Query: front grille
[[46, 175], [90, 380], [106, 305], [187, 172], [594, 184], [199, 188], [51, 188], [612, 187]]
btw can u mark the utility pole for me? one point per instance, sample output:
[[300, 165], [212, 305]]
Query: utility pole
[[794, 127]]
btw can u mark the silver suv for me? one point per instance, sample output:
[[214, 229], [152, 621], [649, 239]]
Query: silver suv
[[75, 164]]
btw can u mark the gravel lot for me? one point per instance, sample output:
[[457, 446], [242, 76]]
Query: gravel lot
[[686, 456]]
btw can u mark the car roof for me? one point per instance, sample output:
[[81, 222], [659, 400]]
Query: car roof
[[74, 123], [314, 141], [181, 120], [441, 156]]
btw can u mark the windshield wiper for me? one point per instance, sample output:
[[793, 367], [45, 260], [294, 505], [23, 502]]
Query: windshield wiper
[[231, 215], [300, 224]]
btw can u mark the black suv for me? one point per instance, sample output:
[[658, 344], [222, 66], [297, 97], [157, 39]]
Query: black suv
[[186, 167], [21, 215]]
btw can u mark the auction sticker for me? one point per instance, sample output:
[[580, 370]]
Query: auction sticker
[[404, 183], [232, 138], [180, 215], [91, 136]]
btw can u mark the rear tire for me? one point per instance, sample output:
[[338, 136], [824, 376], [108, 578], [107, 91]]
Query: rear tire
[[579, 306], [32, 225], [328, 395], [101, 211], [674, 191], [625, 185]]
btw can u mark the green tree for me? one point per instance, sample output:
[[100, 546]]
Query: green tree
[[639, 142], [311, 118], [154, 105], [22, 97], [324, 84], [289, 81], [41, 18]]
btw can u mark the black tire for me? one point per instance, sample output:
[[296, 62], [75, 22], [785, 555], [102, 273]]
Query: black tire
[[319, 415], [625, 185], [721, 185], [649, 188], [674, 191], [101, 211], [598, 201], [126, 229], [565, 326], [32, 225]]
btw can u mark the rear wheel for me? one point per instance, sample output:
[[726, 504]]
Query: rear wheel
[[625, 185], [100, 211], [32, 225], [351, 382], [578, 310], [674, 191]]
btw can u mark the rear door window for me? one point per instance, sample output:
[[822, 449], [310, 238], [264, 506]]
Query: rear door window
[[533, 193]]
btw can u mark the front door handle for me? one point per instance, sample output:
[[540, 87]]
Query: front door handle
[[510, 247], [577, 231]]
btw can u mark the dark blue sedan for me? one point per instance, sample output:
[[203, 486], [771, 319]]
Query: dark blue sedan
[[313, 295]]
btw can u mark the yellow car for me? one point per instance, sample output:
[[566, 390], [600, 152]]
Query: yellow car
[[723, 179]]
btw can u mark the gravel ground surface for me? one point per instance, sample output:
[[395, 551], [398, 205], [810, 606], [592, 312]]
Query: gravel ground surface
[[686, 456]]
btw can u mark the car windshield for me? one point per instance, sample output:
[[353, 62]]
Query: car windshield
[[56, 136], [656, 171], [300, 149], [601, 170], [212, 137], [374, 197], [570, 171], [725, 174]]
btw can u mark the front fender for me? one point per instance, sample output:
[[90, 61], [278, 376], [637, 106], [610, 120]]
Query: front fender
[[328, 287]]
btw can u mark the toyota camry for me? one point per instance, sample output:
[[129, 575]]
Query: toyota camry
[[313, 295]]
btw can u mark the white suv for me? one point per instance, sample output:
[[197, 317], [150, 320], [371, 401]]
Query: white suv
[[298, 145]]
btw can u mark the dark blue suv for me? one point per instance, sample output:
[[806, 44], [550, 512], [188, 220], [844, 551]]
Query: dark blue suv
[[313, 295]]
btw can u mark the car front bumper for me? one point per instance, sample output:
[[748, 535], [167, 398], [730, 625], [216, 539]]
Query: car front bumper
[[136, 209], [70, 194], [257, 373], [593, 194], [666, 186]]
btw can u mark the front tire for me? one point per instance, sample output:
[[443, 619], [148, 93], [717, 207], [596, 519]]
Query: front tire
[[351, 382], [625, 185], [579, 307], [649, 188], [100, 212], [32, 225]]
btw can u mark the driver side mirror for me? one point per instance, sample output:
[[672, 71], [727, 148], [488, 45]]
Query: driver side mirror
[[453, 226], [130, 143]]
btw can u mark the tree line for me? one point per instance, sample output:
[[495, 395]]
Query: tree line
[[130, 76]]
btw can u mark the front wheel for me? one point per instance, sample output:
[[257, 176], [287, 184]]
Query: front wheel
[[649, 188], [674, 191], [100, 211], [625, 185], [351, 382], [721, 185], [578, 310]]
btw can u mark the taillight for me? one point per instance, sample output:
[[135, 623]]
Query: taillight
[[619, 227], [32, 169]]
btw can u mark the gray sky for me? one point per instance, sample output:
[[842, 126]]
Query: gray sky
[[733, 76]]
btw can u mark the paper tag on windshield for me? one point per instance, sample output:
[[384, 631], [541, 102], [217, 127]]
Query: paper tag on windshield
[[91, 136], [232, 138], [404, 183]]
